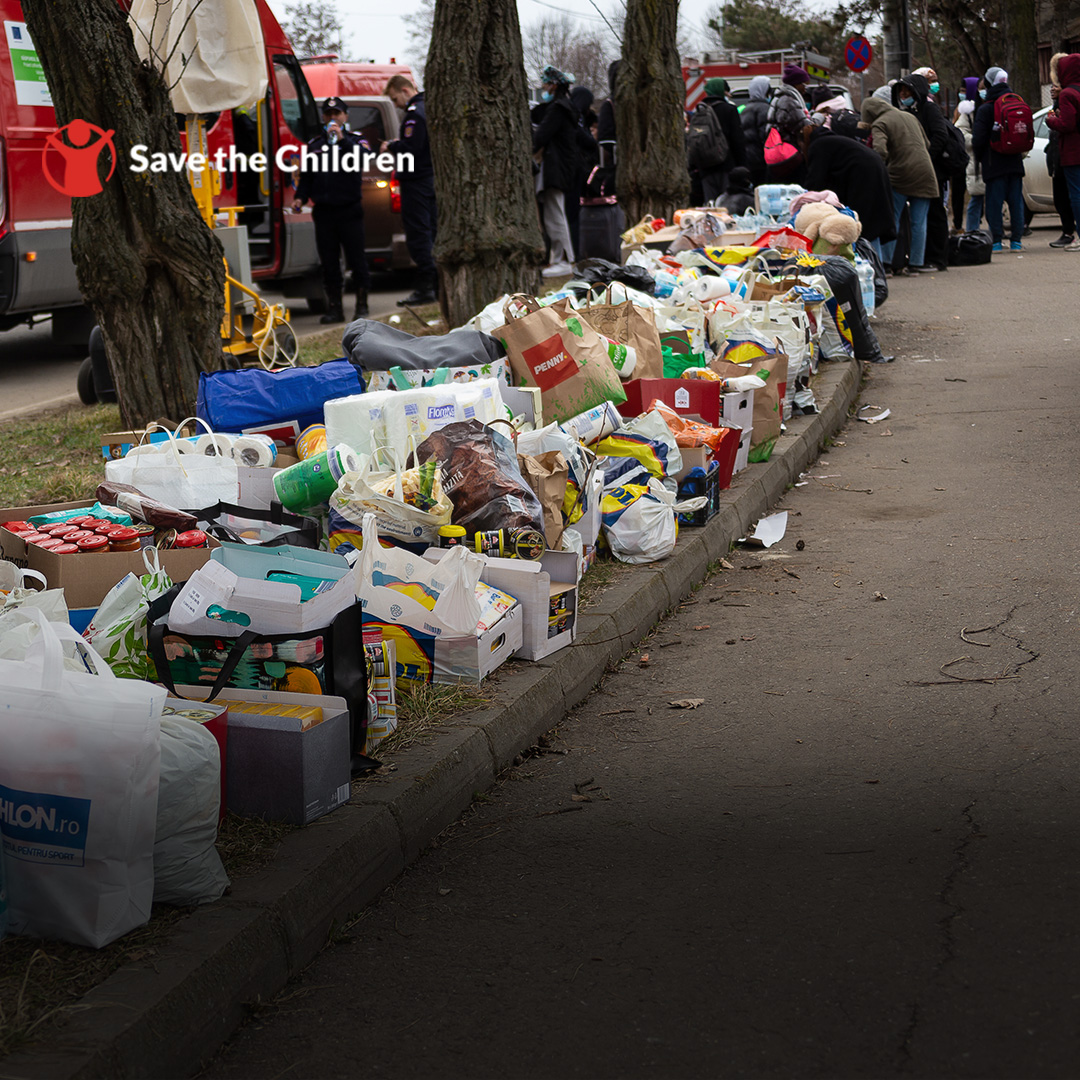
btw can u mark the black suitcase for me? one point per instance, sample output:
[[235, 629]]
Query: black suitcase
[[970, 248], [600, 228]]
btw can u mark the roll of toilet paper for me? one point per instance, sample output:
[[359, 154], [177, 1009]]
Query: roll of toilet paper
[[254, 451], [214, 445]]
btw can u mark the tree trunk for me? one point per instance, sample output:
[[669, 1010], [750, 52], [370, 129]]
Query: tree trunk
[[1022, 49], [649, 118], [147, 265], [489, 240]]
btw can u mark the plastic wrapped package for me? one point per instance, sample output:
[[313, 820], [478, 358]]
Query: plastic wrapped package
[[365, 422], [480, 474], [187, 867]]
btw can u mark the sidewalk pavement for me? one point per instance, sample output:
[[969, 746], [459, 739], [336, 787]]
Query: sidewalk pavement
[[166, 1017]]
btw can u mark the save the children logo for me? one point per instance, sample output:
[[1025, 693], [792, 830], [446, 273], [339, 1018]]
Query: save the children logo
[[80, 144]]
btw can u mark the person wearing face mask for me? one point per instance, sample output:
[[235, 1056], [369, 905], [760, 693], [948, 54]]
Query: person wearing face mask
[[555, 137], [912, 94], [1003, 172], [336, 194], [968, 187]]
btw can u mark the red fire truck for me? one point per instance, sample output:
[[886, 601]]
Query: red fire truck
[[742, 67]]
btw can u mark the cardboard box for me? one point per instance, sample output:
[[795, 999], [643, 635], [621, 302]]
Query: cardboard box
[[742, 457], [277, 771], [688, 397], [86, 579], [115, 444], [523, 401], [235, 578], [535, 585], [738, 408], [423, 657]]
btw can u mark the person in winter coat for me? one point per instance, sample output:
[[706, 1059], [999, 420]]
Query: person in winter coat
[[1003, 173], [555, 134], [789, 115], [713, 181], [588, 156], [973, 181], [738, 197], [858, 176], [958, 184], [901, 142], [912, 93], [754, 117], [1062, 120]]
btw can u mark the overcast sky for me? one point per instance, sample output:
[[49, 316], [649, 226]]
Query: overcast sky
[[375, 33]]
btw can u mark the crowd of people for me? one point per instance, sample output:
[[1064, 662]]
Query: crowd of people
[[900, 163]]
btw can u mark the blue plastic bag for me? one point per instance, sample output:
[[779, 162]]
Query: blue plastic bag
[[251, 397]]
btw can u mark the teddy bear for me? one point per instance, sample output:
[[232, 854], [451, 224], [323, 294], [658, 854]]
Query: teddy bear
[[830, 231]]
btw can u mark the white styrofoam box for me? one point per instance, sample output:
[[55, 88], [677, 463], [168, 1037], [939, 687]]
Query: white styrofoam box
[[744, 450], [737, 408]]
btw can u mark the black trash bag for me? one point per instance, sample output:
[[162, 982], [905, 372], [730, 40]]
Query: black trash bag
[[881, 282], [843, 279], [374, 346], [970, 248], [602, 272]]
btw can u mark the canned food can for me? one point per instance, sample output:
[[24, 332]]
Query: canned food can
[[526, 543], [488, 543], [311, 441], [451, 536]]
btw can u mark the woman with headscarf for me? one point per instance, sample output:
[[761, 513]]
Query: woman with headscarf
[[974, 184], [555, 129]]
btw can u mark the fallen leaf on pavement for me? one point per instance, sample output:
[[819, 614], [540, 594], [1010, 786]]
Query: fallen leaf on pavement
[[687, 703], [880, 596], [704, 627]]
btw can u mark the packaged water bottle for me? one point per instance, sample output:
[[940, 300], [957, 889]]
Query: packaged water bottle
[[865, 269]]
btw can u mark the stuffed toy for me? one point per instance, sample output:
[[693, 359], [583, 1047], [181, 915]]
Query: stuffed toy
[[830, 231]]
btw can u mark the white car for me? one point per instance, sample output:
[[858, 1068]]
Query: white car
[[1038, 186]]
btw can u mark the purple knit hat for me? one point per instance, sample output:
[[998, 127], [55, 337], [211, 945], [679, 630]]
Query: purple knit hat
[[971, 88], [795, 76]]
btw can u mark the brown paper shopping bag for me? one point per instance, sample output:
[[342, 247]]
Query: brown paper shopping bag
[[629, 325], [768, 400], [560, 354], [547, 475]]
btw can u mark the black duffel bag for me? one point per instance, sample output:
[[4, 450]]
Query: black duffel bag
[[970, 248]]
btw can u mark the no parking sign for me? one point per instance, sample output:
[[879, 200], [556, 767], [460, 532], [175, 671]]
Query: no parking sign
[[858, 53]]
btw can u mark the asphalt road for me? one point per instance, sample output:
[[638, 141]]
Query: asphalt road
[[857, 856], [35, 372]]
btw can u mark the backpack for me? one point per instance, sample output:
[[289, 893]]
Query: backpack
[[706, 143], [1013, 125], [782, 158], [955, 155]]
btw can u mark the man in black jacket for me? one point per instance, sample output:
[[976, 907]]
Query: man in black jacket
[[714, 181], [336, 192], [419, 215], [912, 93]]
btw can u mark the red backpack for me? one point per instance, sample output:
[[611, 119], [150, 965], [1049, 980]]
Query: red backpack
[[1013, 125]]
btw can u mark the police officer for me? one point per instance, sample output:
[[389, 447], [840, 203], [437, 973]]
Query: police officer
[[336, 193], [418, 213]]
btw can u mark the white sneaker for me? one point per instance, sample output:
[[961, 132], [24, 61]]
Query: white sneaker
[[557, 270]]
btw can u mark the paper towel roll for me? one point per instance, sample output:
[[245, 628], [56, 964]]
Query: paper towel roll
[[213, 445], [254, 451], [187, 446]]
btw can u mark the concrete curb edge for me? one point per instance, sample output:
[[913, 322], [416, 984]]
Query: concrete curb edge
[[167, 1018]]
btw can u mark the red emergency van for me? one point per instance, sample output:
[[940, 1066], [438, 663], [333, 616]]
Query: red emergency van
[[37, 276]]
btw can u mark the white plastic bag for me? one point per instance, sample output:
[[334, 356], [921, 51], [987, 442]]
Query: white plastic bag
[[188, 481], [384, 493], [639, 521], [187, 867], [79, 763], [118, 628], [401, 589]]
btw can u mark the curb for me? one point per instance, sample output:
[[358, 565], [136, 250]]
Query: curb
[[166, 1019]]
